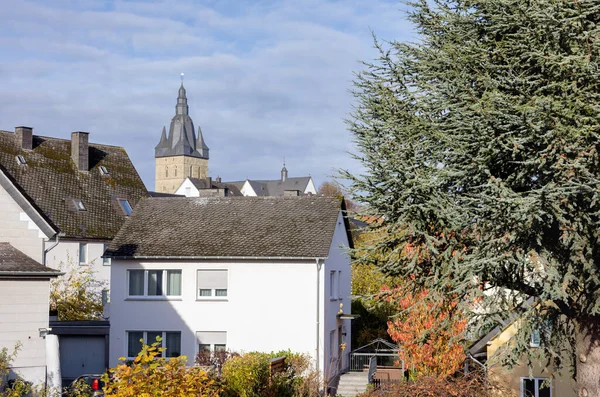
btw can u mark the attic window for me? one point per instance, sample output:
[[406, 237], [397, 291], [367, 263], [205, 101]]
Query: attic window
[[103, 170], [125, 206], [21, 160], [79, 206]]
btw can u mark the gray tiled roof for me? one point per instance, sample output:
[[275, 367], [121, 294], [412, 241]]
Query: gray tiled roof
[[202, 183], [275, 187], [229, 227], [14, 261], [51, 180]]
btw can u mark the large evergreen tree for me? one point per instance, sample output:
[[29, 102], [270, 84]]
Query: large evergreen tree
[[481, 143]]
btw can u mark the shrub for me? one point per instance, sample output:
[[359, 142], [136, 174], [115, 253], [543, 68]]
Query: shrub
[[152, 375]]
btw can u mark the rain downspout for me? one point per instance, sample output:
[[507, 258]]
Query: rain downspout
[[319, 265], [50, 248]]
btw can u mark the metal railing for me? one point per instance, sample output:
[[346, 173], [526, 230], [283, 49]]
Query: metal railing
[[360, 361], [372, 368]]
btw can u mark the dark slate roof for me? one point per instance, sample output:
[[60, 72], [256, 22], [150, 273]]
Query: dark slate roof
[[50, 179], [275, 187], [161, 194], [15, 263], [295, 227], [203, 183]]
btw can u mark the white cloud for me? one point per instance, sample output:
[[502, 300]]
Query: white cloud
[[265, 79]]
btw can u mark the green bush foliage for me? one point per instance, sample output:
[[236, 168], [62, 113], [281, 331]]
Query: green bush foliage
[[248, 375]]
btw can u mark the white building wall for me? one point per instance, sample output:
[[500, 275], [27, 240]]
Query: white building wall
[[338, 262], [247, 190], [188, 189], [23, 311], [66, 255], [18, 229], [310, 187], [271, 305]]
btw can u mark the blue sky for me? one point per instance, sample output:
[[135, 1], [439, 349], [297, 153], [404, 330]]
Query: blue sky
[[265, 79]]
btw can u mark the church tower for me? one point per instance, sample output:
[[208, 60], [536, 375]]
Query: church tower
[[180, 154]]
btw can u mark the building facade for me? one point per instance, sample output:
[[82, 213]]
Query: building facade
[[242, 274]]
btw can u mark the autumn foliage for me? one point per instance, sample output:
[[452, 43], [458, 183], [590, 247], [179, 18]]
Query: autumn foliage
[[429, 332], [153, 375]]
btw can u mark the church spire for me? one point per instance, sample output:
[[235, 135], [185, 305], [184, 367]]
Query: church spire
[[182, 105]]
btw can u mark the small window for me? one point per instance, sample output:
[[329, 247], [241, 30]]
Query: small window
[[83, 253], [125, 206], [339, 285], [535, 338], [105, 260], [332, 284], [21, 160], [212, 284], [79, 206], [211, 341], [103, 171], [536, 387]]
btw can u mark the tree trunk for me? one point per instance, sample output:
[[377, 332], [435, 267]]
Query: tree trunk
[[587, 346]]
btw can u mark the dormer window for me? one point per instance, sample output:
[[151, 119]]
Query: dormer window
[[125, 206], [21, 160], [103, 170], [79, 206]]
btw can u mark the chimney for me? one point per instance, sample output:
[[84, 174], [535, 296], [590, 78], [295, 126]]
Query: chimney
[[80, 150], [218, 179], [25, 137]]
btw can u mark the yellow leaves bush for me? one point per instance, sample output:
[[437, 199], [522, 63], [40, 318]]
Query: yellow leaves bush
[[152, 375]]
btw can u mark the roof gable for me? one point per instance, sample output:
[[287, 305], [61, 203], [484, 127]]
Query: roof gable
[[274, 227], [51, 180]]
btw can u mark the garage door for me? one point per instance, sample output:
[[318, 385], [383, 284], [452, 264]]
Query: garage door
[[81, 355]]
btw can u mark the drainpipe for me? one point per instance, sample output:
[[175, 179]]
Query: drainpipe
[[50, 248], [319, 265]]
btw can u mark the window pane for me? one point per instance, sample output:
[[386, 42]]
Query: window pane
[[528, 388], [220, 292], [543, 389], [133, 343], [155, 282], [219, 348], [203, 347], [173, 344], [136, 282], [205, 292], [83, 253], [174, 282], [151, 337], [535, 338]]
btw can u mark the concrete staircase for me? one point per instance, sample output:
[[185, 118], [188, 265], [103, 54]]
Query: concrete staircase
[[352, 383]]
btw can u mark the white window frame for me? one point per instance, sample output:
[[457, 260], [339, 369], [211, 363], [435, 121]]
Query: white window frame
[[163, 342], [163, 286], [213, 291], [537, 383], [83, 261], [79, 205]]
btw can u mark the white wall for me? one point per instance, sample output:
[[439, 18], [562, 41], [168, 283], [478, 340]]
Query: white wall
[[66, 253], [23, 311], [338, 261], [310, 187], [270, 306], [247, 190], [17, 228], [188, 189]]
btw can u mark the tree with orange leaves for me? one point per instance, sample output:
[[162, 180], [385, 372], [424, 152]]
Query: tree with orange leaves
[[428, 331]]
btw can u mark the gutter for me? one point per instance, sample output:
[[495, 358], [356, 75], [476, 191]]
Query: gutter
[[31, 274], [56, 241], [302, 258]]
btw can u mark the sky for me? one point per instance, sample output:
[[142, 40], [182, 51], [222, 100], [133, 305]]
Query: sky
[[265, 80]]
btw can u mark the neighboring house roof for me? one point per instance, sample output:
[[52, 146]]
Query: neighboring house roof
[[161, 194], [51, 180], [275, 187], [207, 183], [274, 227], [14, 263]]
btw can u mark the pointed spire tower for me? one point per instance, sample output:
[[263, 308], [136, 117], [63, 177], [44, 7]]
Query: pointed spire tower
[[179, 154]]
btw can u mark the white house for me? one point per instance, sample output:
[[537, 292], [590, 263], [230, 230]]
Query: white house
[[85, 191], [24, 300], [237, 273], [284, 186]]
